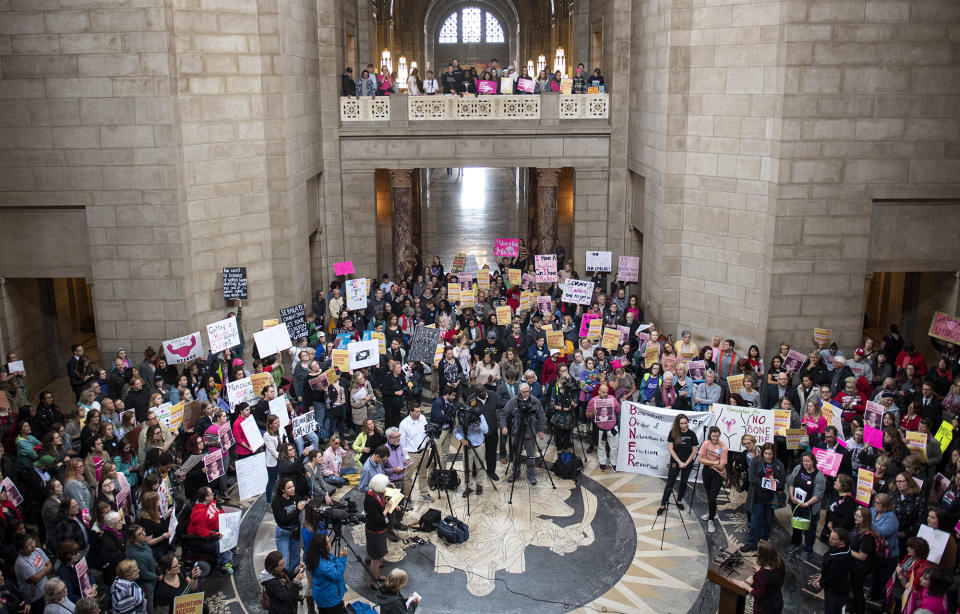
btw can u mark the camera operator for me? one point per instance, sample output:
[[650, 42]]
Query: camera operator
[[443, 413], [413, 438], [563, 397], [328, 586], [524, 406], [472, 421], [488, 403]]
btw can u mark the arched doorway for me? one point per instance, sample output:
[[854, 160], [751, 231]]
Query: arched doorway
[[474, 33]]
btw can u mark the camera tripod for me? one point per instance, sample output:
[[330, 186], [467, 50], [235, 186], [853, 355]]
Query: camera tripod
[[573, 446], [467, 451], [339, 541], [432, 456], [516, 451], [666, 512]]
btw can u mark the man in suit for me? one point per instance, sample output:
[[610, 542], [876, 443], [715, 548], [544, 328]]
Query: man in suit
[[930, 405], [77, 350], [782, 389], [831, 443]]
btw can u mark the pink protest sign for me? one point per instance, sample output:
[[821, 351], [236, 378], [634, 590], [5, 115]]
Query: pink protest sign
[[794, 361], [873, 424], [945, 327], [487, 87], [343, 268], [624, 334], [628, 268], [506, 248], [526, 85], [827, 461], [543, 304], [546, 267], [585, 323]]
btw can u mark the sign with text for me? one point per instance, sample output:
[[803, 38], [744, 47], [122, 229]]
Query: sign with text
[[278, 408], [697, 369], [295, 318], [487, 87], [599, 261], [12, 493], [555, 340], [272, 340], [240, 391], [917, 444], [945, 327], [795, 438], [873, 425], [251, 476], [822, 335], [343, 268], [503, 315], [610, 339], [628, 268], [234, 283], [735, 422], [423, 345], [544, 304], [735, 382], [643, 437], [781, 422], [356, 294], [546, 268], [526, 85], [340, 358], [944, 435], [793, 361], [303, 424], [223, 334], [514, 276], [183, 349], [188, 604], [864, 486], [828, 462], [578, 291], [364, 354], [16, 366], [506, 248], [213, 465]]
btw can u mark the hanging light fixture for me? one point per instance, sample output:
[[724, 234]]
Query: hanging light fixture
[[385, 60], [541, 64], [402, 72], [560, 62]]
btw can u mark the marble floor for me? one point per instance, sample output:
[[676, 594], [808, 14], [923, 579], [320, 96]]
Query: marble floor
[[465, 211]]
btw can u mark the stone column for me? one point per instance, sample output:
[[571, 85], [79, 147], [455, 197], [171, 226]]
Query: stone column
[[415, 191], [401, 195], [547, 180]]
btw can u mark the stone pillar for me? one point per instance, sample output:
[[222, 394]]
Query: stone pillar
[[547, 180], [401, 196], [531, 198], [415, 191]]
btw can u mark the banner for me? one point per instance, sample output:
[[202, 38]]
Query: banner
[[235, 283], [188, 604], [735, 422], [781, 422], [643, 437], [577, 291], [873, 425], [546, 268], [183, 349], [828, 462], [343, 268], [599, 261], [272, 340], [628, 268], [526, 85], [945, 327], [295, 318], [503, 315], [240, 391], [251, 476], [506, 248], [864, 486], [223, 334]]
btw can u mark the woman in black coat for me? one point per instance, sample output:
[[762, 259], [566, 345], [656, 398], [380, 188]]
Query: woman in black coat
[[394, 391], [282, 589]]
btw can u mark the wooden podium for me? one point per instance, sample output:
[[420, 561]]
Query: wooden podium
[[733, 597]]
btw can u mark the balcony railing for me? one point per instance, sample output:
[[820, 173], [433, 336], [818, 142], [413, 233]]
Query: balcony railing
[[507, 107]]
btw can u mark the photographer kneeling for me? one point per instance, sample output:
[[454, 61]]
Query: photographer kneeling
[[476, 430], [523, 407]]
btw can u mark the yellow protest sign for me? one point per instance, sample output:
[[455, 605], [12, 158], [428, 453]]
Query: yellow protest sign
[[611, 338], [735, 382], [524, 300], [176, 416], [593, 332], [466, 299], [555, 340], [864, 486], [259, 381], [795, 438], [331, 375], [483, 279], [781, 422], [547, 327], [651, 355], [514, 276], [341, 360], [503, 315], [438, 355], [269, 323], [188, 604], [822, 335], [944, 435], [382, 339], [917, 444], [453, 292]]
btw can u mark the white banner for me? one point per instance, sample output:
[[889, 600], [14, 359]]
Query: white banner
[[272, 340], [223, 334], [735, 422], [251, 476], [183, 349], [643, 436], [577, 291], [357, 294]]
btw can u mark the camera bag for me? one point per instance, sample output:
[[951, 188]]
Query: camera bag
[[446, 479], [568, 465], [453, 530], [430, 520]]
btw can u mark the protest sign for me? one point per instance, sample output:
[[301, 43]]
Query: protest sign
[[828, 462], [303, 424], [628, 268], [506, 85], [483, 279], [611, 339], [343, 268], [834, 417], [822, 335], [83, 577], [781, 422], [259, 381], [356, 294], [459, 260], [599, 261], [555, 340], [183, 349], [917, 444], [229, 528], [364, 354], [438, 353], [295, 317], [225, 436], [735, 382], [941, 484], [697, 369], [503, 315], [251, 432], [578, 291], [544, 304], [793, 361], [340, 360], [16, 366], [643, 437], [240, 391], [272, 340], [423, 345], [278, 407], [566, 85], [524, 301], [514, 276], [251, 476], [945, 327], [506, 248], [944, 435], [470, 266], [546, 268], [936, 539], [864, 486], [191, 603], [873, 425], [189, 464], [330, 375], [235, 283], [795, 438], [453, 292], [526, 85], [624, 334], [528, 281], [486, 87], [467, 298], [213, 465], [379, 337], [12, 493], [223, 334], [270, 323], [651, 356], [735, 422], [594, 329]]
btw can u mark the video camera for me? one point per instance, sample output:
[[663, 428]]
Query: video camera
[[469, 414], [432, 429], [339, 514]]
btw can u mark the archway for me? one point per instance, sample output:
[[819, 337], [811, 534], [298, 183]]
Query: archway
[[473, 31]]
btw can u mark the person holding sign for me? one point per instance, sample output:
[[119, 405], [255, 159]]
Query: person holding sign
[[605, 413], [682, 444], [174, 582], [205, 522], [805, 487]]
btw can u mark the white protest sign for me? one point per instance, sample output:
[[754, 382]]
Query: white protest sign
[[240, 391], [599, 261], [577, 291], [628, 268], [643, 436], [364, 354], [278, 407], [12, 493], [172, 526], [223, 334], [470, 266], [251, 476], [229, 528], [304, 424], [272, 340], [735, 422], [937, 541], [16, 366], [251, 432], [356, 294], [183, 349]]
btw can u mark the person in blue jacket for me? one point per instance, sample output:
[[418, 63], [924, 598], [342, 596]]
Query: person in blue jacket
[[327, 571]]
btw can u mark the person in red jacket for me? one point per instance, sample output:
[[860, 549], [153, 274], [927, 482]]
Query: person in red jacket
[[205, 522], [852, 400], [552, 366], [910, 355]]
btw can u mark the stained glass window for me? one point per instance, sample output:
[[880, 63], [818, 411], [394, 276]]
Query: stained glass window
[[494, 31], [448, 33], [471, 25]]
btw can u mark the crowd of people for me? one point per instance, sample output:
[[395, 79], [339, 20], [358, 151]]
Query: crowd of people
[[99, 481], [457, 80]]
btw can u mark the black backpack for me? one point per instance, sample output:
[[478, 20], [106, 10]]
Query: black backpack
[[453, 530], [448, 479], [430, 520], [568, 466]]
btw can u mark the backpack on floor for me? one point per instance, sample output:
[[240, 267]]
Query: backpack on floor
[[448, 479], [429, 520], [568, 465], [453, 530], [359, 607]]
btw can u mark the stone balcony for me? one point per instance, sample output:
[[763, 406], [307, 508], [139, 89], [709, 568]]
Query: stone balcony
[[547, 110]]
